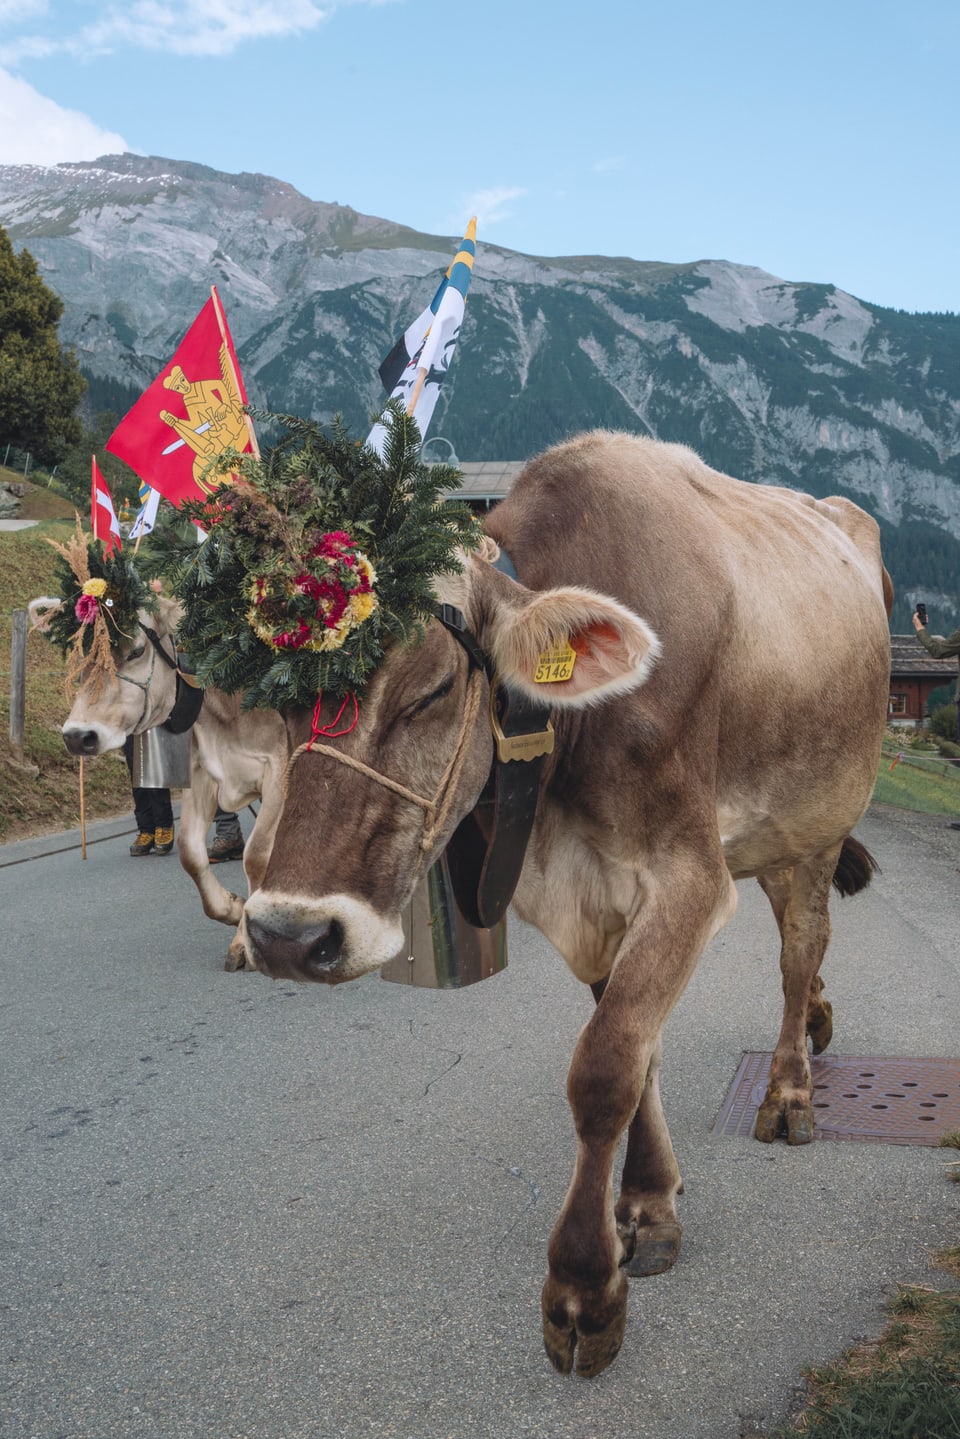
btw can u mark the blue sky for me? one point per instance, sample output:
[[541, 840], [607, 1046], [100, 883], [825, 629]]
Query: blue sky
[[816, 139]]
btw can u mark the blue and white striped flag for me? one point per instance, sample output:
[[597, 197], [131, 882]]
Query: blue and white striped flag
[[417, 365], [147, 518]]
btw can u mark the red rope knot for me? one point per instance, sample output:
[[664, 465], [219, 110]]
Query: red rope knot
[[329, 730]]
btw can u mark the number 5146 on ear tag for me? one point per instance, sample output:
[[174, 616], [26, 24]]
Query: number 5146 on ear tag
[[555, 664]]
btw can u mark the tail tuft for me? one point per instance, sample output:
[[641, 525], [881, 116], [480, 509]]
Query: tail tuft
[[855, 868]]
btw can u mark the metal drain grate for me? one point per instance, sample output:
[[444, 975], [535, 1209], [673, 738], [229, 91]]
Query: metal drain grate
[[886, 1101]]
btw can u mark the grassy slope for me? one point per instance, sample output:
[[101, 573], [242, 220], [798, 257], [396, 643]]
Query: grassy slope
[[49, 801], [911, 780]]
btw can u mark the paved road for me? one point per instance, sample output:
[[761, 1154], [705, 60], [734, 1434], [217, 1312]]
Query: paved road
[[237, 1209]]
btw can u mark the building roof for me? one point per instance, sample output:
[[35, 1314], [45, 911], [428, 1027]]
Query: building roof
[[487, 481], [909, 660]]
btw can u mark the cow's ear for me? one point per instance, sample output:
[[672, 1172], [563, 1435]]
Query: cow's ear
[[570, 646], [41, 611]]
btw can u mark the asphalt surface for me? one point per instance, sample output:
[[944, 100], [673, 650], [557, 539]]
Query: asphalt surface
[[238, 1209]]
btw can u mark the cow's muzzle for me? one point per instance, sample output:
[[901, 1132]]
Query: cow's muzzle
[[325, 941], [82, 741], [314, 953]]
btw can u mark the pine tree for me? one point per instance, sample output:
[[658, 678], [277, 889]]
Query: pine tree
[[40, 382]]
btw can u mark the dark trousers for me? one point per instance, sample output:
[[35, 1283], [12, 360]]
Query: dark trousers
[[152, 808]]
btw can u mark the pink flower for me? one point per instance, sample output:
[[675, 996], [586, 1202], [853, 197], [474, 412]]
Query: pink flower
[[86, 609]]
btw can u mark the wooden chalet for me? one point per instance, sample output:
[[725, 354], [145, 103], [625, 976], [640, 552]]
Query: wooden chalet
[[914, 676]]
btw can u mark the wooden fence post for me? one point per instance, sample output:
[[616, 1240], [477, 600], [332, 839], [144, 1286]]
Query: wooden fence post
[[18, 687]]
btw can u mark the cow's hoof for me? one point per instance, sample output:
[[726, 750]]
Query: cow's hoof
[[654, 1249], [583, 1336], [776, 1117], [236, 958]]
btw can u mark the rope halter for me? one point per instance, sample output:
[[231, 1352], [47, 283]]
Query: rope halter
[[435, 810]]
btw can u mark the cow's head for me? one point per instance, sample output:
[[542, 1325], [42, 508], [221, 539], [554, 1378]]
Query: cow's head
[[141, 694], [368, 811]]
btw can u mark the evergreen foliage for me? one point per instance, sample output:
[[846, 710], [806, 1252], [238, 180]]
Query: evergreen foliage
[[40, 383], [126, 592], [73, 472], [268, 532]]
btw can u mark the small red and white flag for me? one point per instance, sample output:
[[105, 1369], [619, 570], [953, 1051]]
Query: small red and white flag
[[103, 517]]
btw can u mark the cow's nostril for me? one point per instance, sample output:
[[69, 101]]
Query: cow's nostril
[[313, 953], [326, 948], [82, 741]]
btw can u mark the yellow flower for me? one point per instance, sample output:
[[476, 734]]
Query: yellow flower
[[97, 588], [362, 607]]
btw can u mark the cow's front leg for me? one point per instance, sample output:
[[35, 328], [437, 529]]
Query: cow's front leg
[[197, 808], [256, 853], [584, 1299], [805, 932], [585, 1295]]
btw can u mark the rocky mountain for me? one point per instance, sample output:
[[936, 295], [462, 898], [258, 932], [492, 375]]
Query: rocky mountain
[[769, 379]]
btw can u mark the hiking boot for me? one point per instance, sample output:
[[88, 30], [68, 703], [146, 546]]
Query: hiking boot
[[142, 845], [226, 846], [163, 840]]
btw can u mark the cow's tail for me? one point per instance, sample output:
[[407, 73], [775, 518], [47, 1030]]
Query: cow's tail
[[855, 868]]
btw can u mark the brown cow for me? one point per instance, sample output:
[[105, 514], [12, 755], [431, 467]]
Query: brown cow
[[737, 635], [235, 756]]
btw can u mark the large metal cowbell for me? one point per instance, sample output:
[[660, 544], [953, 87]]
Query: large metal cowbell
[[441, 950], [161, 760]]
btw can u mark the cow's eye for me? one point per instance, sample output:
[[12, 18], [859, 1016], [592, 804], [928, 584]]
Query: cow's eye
[[418, 706], [135, 654]]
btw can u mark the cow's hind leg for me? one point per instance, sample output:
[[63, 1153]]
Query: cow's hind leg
[[646, 1209], [800, 902], [777, 886]]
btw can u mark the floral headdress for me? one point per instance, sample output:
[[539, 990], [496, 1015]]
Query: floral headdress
[[319, 556], [99, 602]]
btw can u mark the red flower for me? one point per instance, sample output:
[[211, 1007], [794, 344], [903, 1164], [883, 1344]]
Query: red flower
[[294, 641], [307, 584], [86, 609], [332, 599]]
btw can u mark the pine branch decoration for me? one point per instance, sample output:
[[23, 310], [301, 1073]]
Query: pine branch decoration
[[99, 603], [316, 559]]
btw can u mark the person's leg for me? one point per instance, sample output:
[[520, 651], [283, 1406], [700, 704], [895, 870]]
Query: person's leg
[[227, 837], [142, 808], [162, 821]]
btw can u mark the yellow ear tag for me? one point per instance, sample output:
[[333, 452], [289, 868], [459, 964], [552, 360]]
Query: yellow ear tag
[[556, 664]]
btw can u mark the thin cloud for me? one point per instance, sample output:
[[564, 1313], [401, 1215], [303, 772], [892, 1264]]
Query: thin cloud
[[210, 27], [14, 12], [37, 131], [492, 206], [207, 27], [609, 164]]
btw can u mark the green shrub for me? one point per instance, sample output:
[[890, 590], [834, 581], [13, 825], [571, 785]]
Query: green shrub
[[943, 722]]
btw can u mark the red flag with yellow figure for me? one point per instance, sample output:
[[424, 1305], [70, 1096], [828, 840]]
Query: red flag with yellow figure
[[191, 413]]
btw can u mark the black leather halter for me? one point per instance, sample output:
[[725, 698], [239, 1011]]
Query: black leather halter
[[485, 853], [188, 698]]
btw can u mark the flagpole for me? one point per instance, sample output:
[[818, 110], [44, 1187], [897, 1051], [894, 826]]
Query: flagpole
[[254, 447], [415, 394]]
